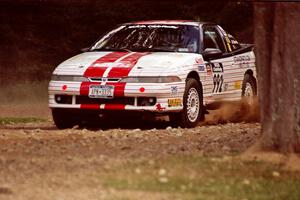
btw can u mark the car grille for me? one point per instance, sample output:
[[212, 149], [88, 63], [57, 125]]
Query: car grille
[[99, 79]]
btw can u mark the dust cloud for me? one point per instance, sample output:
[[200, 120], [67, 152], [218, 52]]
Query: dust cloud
[[24, 99], [237, 111]]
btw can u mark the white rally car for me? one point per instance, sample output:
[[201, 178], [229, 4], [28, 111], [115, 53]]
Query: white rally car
[[165, 67]]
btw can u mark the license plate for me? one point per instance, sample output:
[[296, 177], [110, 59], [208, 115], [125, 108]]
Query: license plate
[[101, 91]]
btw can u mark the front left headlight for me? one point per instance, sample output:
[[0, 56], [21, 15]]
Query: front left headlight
[[74, 78], [151, 79]]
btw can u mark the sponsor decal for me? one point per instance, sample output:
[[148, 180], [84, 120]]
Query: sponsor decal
[[209, 69], [237, 84], [242, 61], [153, 26], [174, 102], [217, 67], [218, 80], [201, 68], [174, 90], [159, 107]]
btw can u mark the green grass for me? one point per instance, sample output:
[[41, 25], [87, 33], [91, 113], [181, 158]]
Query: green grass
[[17, 120], [195, 177]]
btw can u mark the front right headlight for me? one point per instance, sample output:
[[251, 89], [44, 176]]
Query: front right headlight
[[151, 79], [74, 78]]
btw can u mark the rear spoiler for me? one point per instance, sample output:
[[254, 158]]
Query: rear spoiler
[[244, 48]]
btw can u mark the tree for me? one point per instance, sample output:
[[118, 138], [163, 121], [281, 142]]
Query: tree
[[277, 40]]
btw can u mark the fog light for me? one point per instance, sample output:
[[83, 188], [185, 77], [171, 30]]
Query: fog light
[[146, 101], [151, 100], [58, 98], [63, 99]]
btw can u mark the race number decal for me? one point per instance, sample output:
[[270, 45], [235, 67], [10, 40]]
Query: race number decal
[[218, 79]]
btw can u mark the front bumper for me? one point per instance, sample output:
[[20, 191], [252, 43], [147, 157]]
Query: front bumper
[[127, 96]]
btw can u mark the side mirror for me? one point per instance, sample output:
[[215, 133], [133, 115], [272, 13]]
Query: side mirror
[[210, 53], [85, 49]]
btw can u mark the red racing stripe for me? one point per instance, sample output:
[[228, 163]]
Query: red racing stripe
[[114, 107], [124, 71], [96, 70], [119, 89], [90, 106], [84, 87]]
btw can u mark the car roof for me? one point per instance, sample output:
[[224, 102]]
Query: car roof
[[169, 22]]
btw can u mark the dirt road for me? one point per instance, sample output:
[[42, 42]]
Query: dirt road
[[37, 161]]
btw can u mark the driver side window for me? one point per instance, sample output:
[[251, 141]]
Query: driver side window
[[212, 39]]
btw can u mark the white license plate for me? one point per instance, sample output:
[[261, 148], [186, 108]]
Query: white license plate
[[101, 91]]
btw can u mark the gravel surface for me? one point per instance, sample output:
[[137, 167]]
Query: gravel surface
[[37, 161]]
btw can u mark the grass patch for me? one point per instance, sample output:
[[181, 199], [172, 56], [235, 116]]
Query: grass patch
[[17, 120], [195, 177]]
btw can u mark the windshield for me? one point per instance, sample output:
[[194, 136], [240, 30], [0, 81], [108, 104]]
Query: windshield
[[161, 38]]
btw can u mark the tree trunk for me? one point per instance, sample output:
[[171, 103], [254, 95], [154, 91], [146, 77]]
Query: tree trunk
[[277, 40]]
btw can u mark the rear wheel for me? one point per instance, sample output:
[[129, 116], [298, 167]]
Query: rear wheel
[[249, 90], [63, 119], [193, 109]]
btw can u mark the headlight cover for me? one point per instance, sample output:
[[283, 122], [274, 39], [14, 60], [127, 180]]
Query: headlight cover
[[151, 79], [75, 78]]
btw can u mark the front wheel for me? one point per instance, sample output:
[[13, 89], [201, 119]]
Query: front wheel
[[63, 119], [193, 109]]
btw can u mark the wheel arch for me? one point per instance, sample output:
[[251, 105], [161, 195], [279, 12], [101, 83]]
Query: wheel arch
[[250, 72], [195, 75]]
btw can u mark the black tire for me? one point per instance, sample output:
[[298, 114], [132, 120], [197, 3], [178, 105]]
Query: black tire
[[63, 119], [182, 119]]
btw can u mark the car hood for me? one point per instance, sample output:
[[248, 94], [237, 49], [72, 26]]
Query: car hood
[[134, 63]]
